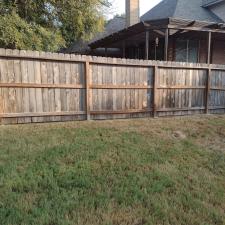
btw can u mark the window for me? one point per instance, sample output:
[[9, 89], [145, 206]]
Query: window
[[187, 50]]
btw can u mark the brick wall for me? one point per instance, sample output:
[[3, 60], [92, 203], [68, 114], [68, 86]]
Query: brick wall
[[132, 12], [218, 52]]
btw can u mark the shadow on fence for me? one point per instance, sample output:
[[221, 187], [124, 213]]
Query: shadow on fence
[[43, 87]]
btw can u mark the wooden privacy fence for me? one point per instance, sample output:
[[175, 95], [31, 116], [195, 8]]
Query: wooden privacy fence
[[42, 87]]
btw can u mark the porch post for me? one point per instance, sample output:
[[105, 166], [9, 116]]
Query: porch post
[[147, 45], [209, 47], [106, 52], [166, 45], [124, 49]]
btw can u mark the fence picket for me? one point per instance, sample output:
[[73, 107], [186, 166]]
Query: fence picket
[[41, 87]]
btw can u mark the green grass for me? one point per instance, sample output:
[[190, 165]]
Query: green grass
[[124, 172]]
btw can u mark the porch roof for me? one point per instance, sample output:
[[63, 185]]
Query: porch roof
[[157, 27]]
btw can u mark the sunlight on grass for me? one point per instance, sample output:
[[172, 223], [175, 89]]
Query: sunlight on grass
[[131, 172]]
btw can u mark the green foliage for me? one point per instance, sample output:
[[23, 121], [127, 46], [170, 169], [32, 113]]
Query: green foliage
[[15, 32], [48, 24]]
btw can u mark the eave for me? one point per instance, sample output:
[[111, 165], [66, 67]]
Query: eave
[[207, 3], [171, 23]]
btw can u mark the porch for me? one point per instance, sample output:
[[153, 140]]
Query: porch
[[169, 40]]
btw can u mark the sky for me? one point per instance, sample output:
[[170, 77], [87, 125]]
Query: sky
[[118, 6]]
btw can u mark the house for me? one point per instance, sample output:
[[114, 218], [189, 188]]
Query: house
[[112, 26], [174, 30]]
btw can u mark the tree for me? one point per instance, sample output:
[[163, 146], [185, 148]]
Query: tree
[[49, 24]]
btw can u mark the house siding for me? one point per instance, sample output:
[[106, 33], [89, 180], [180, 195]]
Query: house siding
[[218, 51], [171, 51], [203, 51]]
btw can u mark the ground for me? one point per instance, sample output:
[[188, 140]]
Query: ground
[[124, 172]]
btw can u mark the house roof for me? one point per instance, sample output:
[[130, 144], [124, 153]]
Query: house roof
[[183, 9], [190, 10], [208, 3], [113, 26], [129, 34]]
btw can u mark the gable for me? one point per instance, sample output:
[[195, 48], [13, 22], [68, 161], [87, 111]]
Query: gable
[[164, 9], [219, 10], [184, 9], [193, 10], [208, 3]]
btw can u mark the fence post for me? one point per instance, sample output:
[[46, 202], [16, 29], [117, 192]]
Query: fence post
[[209, 72], [155, 91], [87, 84]]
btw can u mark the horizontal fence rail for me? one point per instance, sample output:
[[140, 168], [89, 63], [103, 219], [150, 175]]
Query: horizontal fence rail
[[44, 87]]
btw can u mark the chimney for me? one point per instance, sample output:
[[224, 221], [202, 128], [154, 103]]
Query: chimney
[[132, 12]]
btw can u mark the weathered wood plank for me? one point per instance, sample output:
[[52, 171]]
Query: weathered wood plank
[[43, 114], [87, 79], [43, 87]]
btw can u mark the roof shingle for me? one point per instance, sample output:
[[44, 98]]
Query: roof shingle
[[114, 25], [183, 9]]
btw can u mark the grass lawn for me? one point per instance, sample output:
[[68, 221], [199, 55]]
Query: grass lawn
[[124, 172]]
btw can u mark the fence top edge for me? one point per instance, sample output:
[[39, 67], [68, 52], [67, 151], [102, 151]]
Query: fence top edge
[[28, 54]]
